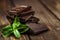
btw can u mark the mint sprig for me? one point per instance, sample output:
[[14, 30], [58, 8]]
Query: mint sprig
[[9, 29]]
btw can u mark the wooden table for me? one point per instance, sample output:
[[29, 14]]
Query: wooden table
[[48, 11]]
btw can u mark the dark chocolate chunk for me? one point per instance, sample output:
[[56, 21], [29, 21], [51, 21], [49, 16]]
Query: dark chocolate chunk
[[10, 19], [18, 10], [37, 28], [21, 14], [14, 11], [27, 13], [27, 9], [24, 19], [33, 20]]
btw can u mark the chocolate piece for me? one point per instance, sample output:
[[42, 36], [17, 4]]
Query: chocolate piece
[[27, 9], [33, 20], [24, 19], [23, 15], [10, 19], [11, 16], [18, 10], [27, 13], [37, 28], [14, 11]]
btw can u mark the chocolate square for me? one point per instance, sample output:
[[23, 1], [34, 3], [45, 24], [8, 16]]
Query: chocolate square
[[37, 28]]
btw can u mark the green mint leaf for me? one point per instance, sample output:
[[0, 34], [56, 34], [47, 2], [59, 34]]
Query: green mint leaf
[[16, 20], [8, 27], [16, 33], [16, 23], [25, 30], [22, 26], [6, 31]]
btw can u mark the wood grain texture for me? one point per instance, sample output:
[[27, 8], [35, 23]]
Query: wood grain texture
[[46, 11], [53, 6]]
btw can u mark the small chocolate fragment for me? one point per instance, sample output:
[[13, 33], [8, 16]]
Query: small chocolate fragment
[[24, 19], [37, 28], [27, 9], [27, 13], [14, 11], [33, 20], [10, 19]]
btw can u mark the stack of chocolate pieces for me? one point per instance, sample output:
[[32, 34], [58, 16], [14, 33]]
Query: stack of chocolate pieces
[[26, 15], [23, 12]]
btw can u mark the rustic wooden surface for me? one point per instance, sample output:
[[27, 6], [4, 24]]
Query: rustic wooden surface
[[48, 12], [53, 6]]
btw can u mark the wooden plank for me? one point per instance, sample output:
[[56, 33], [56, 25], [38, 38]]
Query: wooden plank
[[51, 21], [2, 4], [36, 37], [53, 6], [54, 22], [50, 36]]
